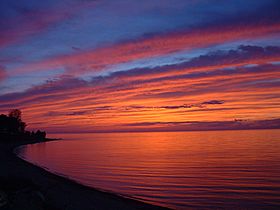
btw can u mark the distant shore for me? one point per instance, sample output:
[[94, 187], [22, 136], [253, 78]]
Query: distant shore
[[26, 186]]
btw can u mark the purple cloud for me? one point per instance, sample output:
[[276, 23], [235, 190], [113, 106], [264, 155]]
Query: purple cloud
[[2, 73], [212, 125], [213, 102]]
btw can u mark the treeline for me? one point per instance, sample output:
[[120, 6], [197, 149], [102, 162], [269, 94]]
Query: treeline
[[12, 125]]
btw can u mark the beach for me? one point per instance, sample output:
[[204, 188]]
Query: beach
[[26, 186]]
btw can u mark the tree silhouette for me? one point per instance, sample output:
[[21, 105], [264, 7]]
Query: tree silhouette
[[15, 113], [12, 125], [16, 125]]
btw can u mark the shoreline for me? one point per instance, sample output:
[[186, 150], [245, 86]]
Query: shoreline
[[25, 185]]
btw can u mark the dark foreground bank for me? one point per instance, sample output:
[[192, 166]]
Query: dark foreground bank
[[25, 186]]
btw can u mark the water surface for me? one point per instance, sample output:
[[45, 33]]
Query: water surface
[[197, 170]]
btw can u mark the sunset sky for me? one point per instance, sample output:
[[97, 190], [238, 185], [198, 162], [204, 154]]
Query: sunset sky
[[149, 65]]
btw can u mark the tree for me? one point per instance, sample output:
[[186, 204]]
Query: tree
[[15, 124], [40, 134], [4, 123], [15, 113], [12, 126]]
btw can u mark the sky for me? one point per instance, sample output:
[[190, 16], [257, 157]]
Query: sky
[[150, 65]]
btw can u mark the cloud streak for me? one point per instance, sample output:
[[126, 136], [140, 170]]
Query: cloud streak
[[157, 45], [212, 125], [161, 67], [197, 89], [2, 73], [30, 22]]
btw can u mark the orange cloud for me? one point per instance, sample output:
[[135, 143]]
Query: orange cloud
[[247, 92]]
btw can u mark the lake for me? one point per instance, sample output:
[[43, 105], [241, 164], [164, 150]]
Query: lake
[[180, 170]]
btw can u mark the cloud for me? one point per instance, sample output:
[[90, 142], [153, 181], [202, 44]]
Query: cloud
[[162, 96], [74, 113], [183, 106], [26, 22], [97, 60], [3, 73], [158, 77], [203, 64], [241, 83], [210, 125], [213, 102]]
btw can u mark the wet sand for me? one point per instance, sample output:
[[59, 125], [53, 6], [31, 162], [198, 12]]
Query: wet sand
[[26, 186]]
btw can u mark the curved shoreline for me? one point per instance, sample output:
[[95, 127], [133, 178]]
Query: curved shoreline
[[73, 180], [56, 191]]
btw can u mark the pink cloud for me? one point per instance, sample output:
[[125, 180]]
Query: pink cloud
[[32, 22], [98, 59], [2, 73]]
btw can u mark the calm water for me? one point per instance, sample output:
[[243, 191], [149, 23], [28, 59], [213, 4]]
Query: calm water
[[181, 170]]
